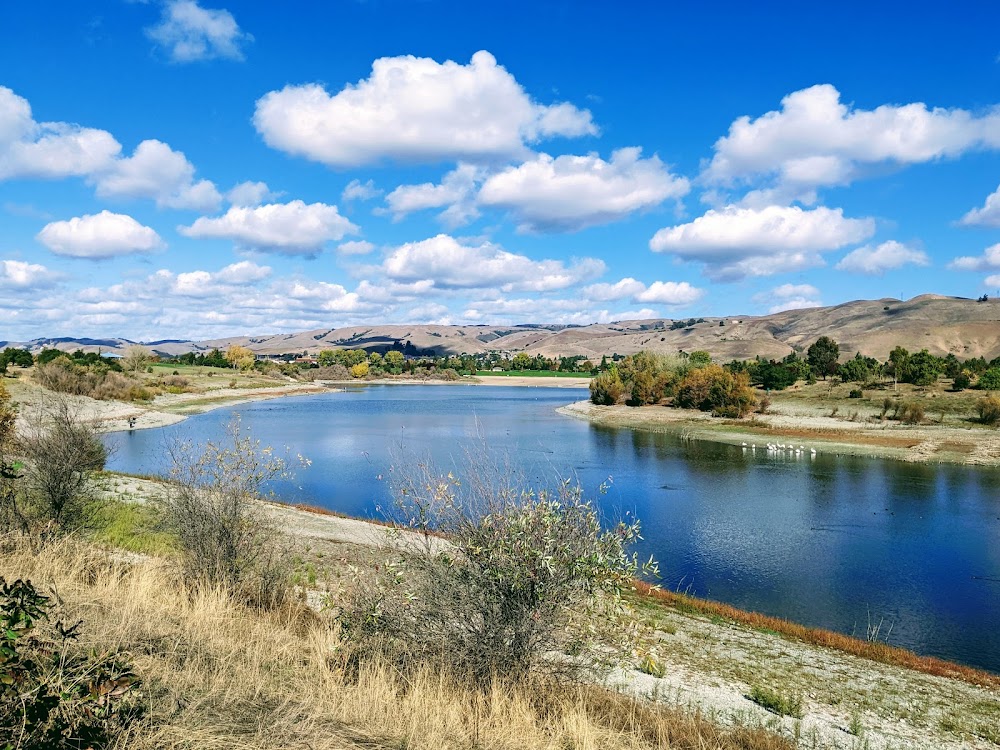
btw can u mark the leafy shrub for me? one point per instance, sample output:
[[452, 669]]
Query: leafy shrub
[[607, 388], [359, 370], [715, 389], [961, 381], [989, 380], [96, 381], [989, 410], [213, 508], [53, 694], [772, 700], [522, 574], [856, 393]]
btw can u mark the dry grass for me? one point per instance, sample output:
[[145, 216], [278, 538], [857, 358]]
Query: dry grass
[[874, 650], [217, 675]]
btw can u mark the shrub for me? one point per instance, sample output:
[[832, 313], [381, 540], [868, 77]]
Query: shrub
[[61, 452], [989, 380], [359, 370], [213, 507], [856, 393], [961, 381], [607, 388], [522, 575], [910, 413], [783, 705], [715, 389], [54, 694], [989, 410]]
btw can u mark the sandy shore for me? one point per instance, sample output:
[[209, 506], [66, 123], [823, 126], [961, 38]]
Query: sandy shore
[[803, 427]]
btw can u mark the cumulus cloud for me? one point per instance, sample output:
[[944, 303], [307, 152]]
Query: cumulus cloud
[[789, 297], [157, 172], [992, 281], [415, 109], [816, 140], [250, 194], [881, 258], [987, 216], [357, 190], [189, 33], [989, 260], [670, 293], [736, 242], [48, 150], [455, 193], [21, 275], [355, 247], [567, 193], [453, 265], [293, 228], [99, 236]]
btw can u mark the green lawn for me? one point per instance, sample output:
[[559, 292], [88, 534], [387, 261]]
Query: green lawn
[[534, 374]]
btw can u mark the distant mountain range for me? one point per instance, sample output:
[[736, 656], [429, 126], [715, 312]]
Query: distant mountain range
[[964, 327]]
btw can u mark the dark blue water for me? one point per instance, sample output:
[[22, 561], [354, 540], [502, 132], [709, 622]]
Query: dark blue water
[[831, 541]]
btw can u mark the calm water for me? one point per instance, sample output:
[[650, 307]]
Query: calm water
[[833, 542]]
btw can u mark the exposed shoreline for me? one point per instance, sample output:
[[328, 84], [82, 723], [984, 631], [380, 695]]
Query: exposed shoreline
[[825, 434]]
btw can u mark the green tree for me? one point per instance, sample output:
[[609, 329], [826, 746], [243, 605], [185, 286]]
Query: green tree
[[823, 355], [607, 388], [394, 362], [699, 359], [898, 365], [989, 380], [521, 361]]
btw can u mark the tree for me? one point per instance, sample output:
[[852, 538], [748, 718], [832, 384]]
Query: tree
[[394, 361], [700, 359], [136, 358], [823, 355], [240, 357], [525, 573], [924, 368], [521, 361], [607, 389], [898, 365], [359, 370], [717, 390], [989, 380]]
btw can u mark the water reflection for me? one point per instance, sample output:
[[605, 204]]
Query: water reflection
[[829, 540]]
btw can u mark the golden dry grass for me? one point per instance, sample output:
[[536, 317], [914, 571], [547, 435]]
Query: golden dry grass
[[217, 675]]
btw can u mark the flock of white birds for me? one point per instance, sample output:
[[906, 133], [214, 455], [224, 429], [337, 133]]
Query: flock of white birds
[[781, 448]]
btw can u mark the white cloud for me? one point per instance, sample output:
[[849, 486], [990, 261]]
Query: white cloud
[[456, 191], [48, 150], [357, 190], [987, 216], [735, 242], [789, 297], [19, 274], [415, 109], [99, 236], [659, 292], [670, 293], [815, 140], [250, 194], [244, 272], [157, 172], [293, 228], [881, 258], [452, 265], [989, 260], [627, 287], [568, 193], [355, 247], [189, 33], [993, 281]]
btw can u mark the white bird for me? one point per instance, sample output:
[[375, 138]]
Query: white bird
[[813, 451], [744, 444]]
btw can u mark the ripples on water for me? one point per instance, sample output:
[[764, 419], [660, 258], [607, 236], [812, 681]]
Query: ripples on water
[[829, 541]]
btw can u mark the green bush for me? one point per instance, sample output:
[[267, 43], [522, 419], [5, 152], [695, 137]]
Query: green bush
[[856, 393], [989, 380], [961, 381], [910, 413], [772, 700], [53, 694], [524, 574], [607, 388], [715, 389]]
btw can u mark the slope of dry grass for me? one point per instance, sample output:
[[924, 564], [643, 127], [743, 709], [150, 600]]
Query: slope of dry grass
[[217, 675]]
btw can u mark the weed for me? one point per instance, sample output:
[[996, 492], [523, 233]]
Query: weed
[[783, 705]]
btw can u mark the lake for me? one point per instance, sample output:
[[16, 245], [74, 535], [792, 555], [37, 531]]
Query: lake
[[829, 541]]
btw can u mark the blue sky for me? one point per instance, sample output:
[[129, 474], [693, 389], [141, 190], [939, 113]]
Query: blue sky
[[192, 169]]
